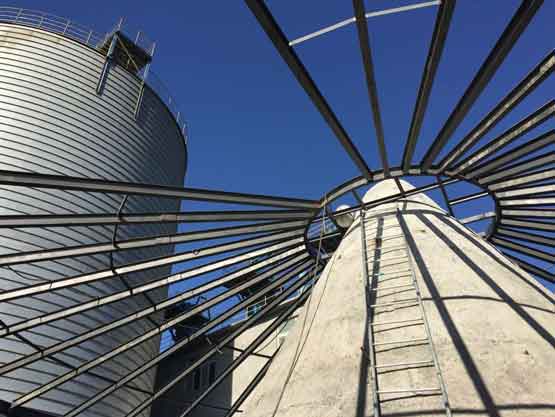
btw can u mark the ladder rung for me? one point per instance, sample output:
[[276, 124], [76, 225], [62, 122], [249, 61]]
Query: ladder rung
[[392, 365], [388, 259], [378, 323], [387, 210], [400, 391], [391, 226], [390, 237], [389, 279], [380, 265], [395, 342], [392, 303], [389, 273], [390, 249], [393, 286]]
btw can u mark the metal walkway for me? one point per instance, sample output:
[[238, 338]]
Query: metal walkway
[[388, 271]]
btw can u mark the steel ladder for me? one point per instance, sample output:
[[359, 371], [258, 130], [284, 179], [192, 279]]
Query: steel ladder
[[381, 245]]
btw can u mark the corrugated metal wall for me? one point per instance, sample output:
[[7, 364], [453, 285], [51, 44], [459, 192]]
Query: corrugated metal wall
[[52, 121]]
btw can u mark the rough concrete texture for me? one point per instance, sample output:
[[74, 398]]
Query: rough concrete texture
[[492, 326]]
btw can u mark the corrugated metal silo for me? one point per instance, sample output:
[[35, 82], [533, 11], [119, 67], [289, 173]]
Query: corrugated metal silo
[[54, 121]]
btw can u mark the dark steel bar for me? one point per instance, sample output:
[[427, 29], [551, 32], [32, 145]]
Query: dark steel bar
[[357, 197], [144, 265], [249, 388], [527, 212], [478, 217], [504, 45], [364, 44], [468, 197], [26, 179], [441, 28], [159, 329], [523, 249], [252, 346], [512, 155], [243, 327], [508, 103], [527, 224], [399, 186], [394, 197], [258, 355], [107, 63], [510, 135], [52, 254], [330, 216], [130, 344], [508, 177], [283, 258], [64, 220], [510, 193], [343, 189], [524, 236], [445, 196], [59, 347], [154, 361], [532, 269], [272, 29]]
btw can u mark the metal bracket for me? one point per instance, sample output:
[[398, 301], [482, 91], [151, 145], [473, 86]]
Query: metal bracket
[[141, 92], [107, 64]]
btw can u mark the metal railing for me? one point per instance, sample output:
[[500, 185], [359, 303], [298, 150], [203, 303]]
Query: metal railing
[[51, 23], [96, 40]]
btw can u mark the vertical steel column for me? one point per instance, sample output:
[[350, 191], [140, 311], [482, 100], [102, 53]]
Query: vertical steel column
[[107, 63]]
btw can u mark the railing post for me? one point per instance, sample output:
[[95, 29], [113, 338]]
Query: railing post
[[185, 132], [89, 37], [18, 14], [67, 27], [120, 23]]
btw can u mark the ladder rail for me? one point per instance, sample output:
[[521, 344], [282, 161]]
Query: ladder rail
[[378, 246], [369, 279]]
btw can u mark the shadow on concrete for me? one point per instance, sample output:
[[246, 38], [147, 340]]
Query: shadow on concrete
[[496, 300], [517, 308], [455, 336], [488, 250]]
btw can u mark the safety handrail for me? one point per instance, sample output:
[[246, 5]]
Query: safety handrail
[[84, 35]]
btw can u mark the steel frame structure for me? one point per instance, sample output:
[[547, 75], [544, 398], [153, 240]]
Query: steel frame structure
[[271, 246]]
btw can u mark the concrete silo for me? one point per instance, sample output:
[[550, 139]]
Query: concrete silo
[[492, 326], [74, 103]]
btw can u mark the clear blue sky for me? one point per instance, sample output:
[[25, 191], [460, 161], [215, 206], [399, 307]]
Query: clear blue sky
[[252, 127]]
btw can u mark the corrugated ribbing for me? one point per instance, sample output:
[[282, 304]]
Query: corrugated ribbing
[[53, 122]]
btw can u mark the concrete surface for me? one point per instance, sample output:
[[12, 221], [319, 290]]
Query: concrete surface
[[493, 328]]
